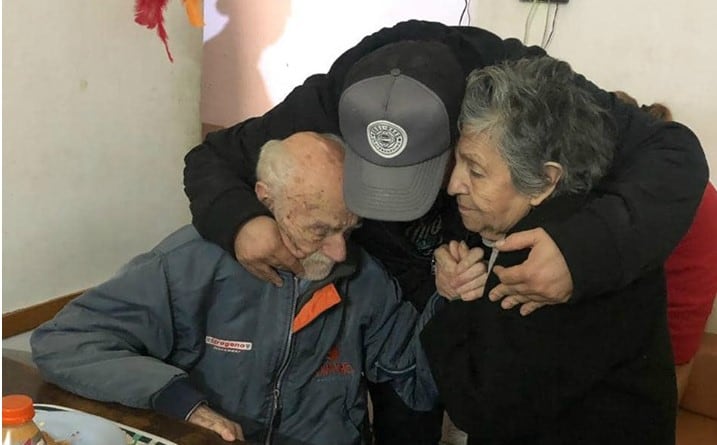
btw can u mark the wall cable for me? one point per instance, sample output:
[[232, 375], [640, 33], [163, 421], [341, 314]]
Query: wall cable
[[552, 27], [529, 20], [546, 24], [466, 12]]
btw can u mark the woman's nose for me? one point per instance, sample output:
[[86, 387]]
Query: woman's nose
[[456, 185]]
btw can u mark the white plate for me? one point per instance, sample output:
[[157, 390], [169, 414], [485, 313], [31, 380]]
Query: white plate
[[80, 428]]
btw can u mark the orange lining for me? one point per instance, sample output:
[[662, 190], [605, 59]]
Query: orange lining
[[322, 300]]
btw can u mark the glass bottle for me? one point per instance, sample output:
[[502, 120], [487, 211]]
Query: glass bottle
[[18, 427]]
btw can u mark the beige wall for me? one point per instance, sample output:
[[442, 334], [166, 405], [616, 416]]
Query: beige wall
[[95, 124]]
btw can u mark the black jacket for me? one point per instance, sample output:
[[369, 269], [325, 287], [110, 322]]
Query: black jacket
[[637, 217], [600, 372]]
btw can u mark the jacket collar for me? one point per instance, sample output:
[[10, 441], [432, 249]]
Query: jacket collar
[[341, 270]]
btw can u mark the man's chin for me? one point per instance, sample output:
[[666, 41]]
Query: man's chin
[[317, 272]]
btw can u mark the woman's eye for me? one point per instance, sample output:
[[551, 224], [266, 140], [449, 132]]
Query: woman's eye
[[476, 174]]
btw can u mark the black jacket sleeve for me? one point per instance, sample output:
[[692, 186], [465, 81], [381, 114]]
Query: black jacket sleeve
[[640, 211]]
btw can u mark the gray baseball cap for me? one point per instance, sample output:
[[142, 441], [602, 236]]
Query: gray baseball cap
[[398, 115]]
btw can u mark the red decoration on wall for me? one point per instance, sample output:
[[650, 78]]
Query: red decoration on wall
[[150, 13]]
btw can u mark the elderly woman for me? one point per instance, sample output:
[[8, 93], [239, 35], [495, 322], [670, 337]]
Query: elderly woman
[[533, 143]]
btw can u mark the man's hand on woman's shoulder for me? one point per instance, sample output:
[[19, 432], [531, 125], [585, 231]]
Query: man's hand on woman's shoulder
[[542, 279]]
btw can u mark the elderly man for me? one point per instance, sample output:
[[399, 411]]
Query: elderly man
[[186, 330]]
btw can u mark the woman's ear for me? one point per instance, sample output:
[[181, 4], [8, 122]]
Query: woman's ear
[[264, 194], [553, 171]]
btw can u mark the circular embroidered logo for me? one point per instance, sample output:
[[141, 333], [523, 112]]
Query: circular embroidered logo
[[386, 138]]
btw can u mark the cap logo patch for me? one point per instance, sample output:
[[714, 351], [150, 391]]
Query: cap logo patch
[[386, 138]]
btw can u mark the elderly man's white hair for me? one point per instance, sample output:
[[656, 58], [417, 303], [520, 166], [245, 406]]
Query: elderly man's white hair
[[275, 167]]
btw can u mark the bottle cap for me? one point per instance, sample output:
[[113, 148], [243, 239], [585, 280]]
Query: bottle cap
[[17, 409]]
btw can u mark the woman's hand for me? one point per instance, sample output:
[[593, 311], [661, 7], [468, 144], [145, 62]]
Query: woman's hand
[[460, 272]]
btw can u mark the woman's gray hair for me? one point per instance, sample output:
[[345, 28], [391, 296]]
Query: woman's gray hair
[[274, 167], [539, 110]]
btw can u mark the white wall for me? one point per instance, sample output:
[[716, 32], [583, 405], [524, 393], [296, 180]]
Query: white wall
[[255, 53], [96, 121], [656, 50]]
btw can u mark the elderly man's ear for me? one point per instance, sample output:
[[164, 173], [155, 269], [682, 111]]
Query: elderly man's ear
[[553, 171], [264, 194]]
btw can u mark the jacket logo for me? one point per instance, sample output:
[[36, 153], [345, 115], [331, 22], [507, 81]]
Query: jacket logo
[[332, 365], [228, 345], [386, 138]]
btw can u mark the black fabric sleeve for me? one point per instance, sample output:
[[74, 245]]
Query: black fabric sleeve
[[178, 399], [641, 210]]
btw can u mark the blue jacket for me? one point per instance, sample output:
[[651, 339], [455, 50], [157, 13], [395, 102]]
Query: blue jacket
[[185, 322]]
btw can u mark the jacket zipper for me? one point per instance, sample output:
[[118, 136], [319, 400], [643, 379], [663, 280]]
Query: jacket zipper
[[276, 391]]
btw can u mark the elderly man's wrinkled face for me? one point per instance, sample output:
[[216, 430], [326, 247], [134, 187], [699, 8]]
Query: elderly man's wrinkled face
[[314, 224], [487, 199]]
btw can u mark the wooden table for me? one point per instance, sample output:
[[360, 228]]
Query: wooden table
[[20, 376]]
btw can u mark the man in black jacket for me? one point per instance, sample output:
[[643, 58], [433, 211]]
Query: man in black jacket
[[641, 211]]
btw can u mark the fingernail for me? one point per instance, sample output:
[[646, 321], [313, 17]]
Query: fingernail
[[499, 243]]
